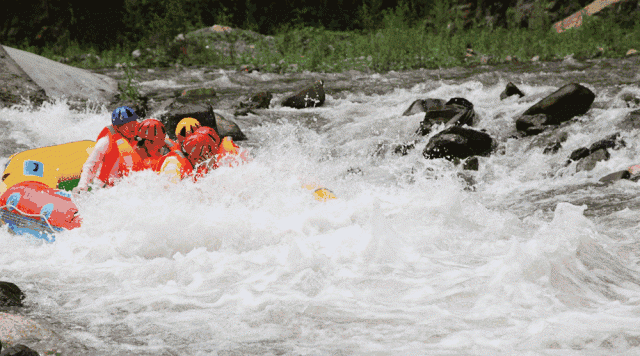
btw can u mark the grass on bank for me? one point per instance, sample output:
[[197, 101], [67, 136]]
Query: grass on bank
[[396, 47]]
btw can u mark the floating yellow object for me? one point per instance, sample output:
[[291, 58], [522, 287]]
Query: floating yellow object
[[319, 192], [57, 166], [323, 194]]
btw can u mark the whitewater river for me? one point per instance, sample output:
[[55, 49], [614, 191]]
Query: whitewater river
[[534, 259]]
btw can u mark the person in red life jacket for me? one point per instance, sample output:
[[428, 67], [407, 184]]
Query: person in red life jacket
[[113, 155], [185, 128], [153, 142], [196, 149], [228, 153]]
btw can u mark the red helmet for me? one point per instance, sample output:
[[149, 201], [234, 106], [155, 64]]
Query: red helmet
[[206, 130], [151, 129], [198, 146]]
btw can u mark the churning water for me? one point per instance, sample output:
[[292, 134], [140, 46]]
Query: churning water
[[532, 259]]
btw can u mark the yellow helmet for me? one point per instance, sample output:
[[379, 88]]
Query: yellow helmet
[[187, 126]]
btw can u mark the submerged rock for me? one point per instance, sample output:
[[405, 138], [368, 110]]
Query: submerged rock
[[457, 111], [423, 105], [510, 90], [10, 295], [458, 142], [309, 97]]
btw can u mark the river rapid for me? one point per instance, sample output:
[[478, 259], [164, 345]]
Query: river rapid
[[533, 259]]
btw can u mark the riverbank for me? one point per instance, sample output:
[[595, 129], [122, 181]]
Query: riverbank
[[395, 47]]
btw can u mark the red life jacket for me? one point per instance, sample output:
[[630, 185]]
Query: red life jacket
[[185, 167], [121, 152], [234, 155]]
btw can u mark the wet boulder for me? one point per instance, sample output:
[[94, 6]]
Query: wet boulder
[[510, 90], [309, 97], [423, 105], [457, 111], [205, 115], [458, 142], [565, 103], [10, 295], [19, 350]]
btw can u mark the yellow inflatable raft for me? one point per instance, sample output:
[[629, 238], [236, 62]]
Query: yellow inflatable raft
[[57, 166]]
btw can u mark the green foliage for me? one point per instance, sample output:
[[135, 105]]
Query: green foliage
[[395, 39], [130, 88]]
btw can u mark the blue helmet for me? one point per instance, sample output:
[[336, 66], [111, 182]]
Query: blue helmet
[[123, 115]]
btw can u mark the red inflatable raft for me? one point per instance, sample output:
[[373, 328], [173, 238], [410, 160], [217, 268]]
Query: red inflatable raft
[[34, 208]]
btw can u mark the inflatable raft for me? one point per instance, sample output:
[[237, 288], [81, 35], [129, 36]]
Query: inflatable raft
[[34, 197], [56, 166], [34, 208]]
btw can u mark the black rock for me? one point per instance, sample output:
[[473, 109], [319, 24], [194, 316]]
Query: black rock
[[423, 105], [458, 142], [510, 90], [563, 104], [10, 295], [19, 350], [458, 111], [311, 96]]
